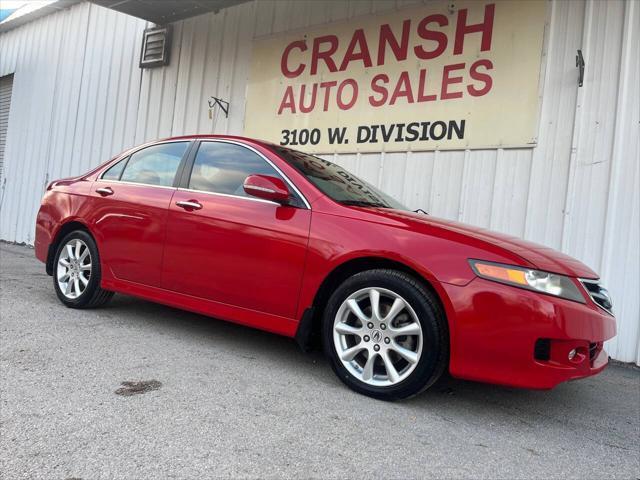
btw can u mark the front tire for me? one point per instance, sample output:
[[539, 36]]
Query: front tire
[[76, 272], [385, 335]]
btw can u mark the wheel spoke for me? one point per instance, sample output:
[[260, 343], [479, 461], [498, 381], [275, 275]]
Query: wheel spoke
[[392, 373], [374, 298], [64, 277], [76, 286], [367, 371], [350, 353], [357, 311], [78, 247], [396, 308], [345, 329], [408, 355], [411, 329], [70, 252], [85, 267], [67, 290], [84, 255], [64, 262], [84, 280]]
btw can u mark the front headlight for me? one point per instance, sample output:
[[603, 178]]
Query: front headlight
[[539, 281]]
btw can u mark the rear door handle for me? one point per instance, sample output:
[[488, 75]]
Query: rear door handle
[[104, 191], [189, 204]]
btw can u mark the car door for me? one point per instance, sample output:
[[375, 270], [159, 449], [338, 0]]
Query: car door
[[129, 210], [234, 248]]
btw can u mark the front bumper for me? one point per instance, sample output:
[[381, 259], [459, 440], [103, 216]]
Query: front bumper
[[498, 331]]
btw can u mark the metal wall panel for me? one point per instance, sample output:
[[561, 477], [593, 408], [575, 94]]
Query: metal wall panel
[[81, 98], [76, 89], [620, 251], [6, 87]]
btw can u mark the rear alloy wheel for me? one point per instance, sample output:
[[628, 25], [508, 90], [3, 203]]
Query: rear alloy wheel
[[76, 275], [385, 334], [74, 268]]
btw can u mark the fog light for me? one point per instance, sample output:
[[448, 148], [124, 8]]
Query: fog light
[[572, 354]]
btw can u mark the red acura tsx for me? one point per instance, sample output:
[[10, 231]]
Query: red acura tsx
[[276, 239]]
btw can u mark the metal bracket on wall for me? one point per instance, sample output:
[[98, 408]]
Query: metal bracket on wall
[[224, 106], [580, 65]]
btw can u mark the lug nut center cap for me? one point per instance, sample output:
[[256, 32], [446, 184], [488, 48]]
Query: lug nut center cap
[[376, 335]]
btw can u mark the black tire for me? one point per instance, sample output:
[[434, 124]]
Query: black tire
[[435, 350], [93, 295]]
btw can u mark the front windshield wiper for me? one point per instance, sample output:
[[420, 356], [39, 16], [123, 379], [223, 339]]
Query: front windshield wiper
[[419, 210], [363, 203]]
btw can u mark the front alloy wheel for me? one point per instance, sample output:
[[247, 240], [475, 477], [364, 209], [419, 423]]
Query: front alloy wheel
[[385, 334], [378, 336]]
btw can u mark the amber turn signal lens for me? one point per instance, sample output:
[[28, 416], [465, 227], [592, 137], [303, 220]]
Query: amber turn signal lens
[[501, 273]]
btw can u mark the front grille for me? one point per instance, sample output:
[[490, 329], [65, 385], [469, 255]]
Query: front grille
[[598, 294]]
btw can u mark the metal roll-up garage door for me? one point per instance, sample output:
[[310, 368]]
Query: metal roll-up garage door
[[6, 86]]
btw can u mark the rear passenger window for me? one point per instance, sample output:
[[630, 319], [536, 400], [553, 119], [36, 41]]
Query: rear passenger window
[[155, 165], [115, 171], [223, 167]]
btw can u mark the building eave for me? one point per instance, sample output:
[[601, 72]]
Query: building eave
[[166, 11], [11, 23]]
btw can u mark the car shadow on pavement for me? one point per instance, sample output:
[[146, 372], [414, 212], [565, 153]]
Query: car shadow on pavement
[[449, 395]]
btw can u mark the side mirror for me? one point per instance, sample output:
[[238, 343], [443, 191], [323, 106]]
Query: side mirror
[[267, 188]]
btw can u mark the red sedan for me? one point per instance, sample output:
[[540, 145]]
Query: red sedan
[[276, 239]]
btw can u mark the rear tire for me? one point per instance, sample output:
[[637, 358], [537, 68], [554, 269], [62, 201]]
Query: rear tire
[[77, 273], [385, 334]]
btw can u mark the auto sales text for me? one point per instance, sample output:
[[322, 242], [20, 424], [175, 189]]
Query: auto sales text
[[318, 57]]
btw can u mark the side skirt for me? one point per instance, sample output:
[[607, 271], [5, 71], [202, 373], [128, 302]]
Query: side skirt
[[243, 316]]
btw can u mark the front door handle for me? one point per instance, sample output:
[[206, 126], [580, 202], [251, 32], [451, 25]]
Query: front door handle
[[104, 191], [189, 204]]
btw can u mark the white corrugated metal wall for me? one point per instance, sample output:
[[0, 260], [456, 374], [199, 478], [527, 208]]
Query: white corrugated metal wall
[[80, 97], [6, 86]]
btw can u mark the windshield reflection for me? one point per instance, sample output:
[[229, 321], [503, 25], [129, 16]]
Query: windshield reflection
[[336, 182]]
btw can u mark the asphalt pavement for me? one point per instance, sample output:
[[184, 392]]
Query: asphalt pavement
[[137, 390]]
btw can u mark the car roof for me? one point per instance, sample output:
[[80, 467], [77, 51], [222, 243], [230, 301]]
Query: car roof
[[217, 137]]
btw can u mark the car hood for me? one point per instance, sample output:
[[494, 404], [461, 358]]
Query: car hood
[[539, 256]]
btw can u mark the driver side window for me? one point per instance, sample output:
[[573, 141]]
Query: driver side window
[[223, 167]]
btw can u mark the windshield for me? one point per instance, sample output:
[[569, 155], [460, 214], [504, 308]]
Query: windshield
[[336, 182]]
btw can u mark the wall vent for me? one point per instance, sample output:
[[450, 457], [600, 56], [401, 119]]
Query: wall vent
[[156, 46]]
